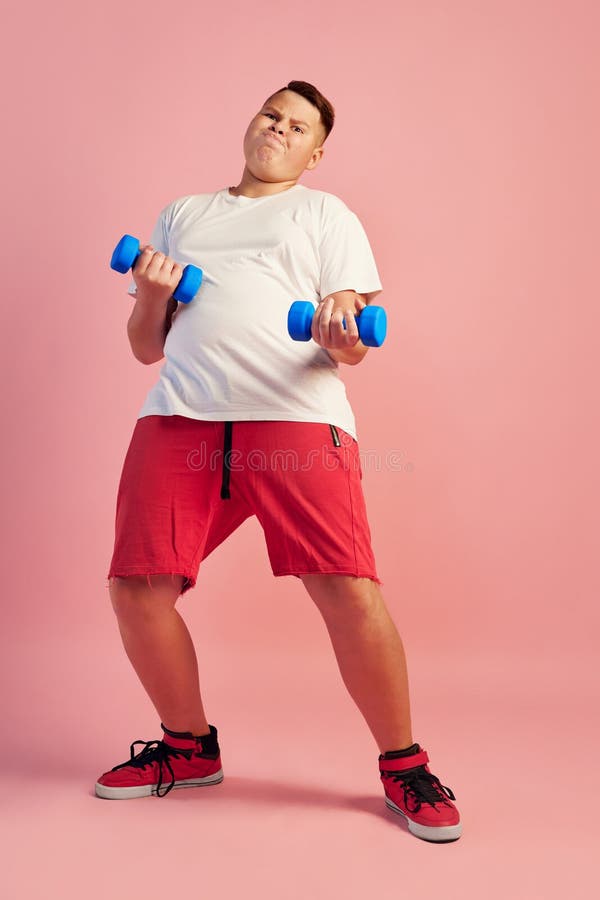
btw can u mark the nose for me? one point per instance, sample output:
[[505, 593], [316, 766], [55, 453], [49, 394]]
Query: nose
[[272, 128]]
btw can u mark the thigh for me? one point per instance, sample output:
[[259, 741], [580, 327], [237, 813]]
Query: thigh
[[167, 497], [309, 500]]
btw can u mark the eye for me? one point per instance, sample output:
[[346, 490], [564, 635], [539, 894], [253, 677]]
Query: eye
[[301, 130]]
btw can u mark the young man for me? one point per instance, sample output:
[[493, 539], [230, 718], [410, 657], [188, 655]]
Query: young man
[[235, 382]]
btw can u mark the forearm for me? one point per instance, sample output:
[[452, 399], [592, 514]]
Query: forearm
[[147, 329]]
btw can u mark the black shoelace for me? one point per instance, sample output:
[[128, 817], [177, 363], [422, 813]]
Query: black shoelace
[[422, 786], [154, 751]]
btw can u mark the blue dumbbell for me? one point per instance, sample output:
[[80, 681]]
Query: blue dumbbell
[[371, 321], [125, 256]]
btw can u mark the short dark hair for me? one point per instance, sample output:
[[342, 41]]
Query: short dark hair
[[314, 96]]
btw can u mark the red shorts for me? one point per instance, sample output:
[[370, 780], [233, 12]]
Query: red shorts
[[187, 484]]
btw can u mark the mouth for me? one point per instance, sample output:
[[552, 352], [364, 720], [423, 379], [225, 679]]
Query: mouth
[[270, 136]]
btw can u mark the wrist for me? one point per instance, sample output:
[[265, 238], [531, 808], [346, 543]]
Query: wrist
[[349, 355]]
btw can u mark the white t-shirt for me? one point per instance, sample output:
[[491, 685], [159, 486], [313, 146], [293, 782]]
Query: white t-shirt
[[228, 354]]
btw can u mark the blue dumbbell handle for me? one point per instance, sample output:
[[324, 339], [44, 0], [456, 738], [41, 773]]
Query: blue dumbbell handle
[[127, 253], [371, 321]]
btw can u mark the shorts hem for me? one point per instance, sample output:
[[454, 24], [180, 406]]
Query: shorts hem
[[298, 574], [189, 581]]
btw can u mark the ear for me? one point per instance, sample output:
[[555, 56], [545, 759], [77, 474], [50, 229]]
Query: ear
[[315, 158]]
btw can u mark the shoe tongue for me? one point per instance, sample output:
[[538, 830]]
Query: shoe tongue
[[182, 743]]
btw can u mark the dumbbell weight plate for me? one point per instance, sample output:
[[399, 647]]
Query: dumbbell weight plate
[[300, 315], [372, 323], [189, 284], [125, 254]]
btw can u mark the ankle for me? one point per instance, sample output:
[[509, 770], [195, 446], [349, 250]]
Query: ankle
[[404, 751], [198, 729]]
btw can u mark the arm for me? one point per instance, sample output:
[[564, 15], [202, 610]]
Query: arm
[[147, 329]]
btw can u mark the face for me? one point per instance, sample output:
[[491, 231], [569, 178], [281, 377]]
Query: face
[[284, 138]]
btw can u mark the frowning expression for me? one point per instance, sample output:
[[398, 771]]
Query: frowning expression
[[285, 136]]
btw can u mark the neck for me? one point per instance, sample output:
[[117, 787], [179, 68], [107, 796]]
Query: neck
[[250, 186]]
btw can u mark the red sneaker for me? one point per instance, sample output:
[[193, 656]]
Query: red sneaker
[[191, 761], [412, 790]]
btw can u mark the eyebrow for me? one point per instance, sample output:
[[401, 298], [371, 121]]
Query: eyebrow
[[295, 121]]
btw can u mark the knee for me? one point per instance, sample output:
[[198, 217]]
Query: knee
[[142, 596], [125, 593], [344, 596]]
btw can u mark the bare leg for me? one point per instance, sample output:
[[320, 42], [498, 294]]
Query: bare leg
[[160, 648], [369, 653]]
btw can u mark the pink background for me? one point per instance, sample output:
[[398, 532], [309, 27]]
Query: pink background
[[467, 141]]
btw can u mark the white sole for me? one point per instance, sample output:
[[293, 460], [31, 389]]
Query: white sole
[[428, 832], [146, 790]]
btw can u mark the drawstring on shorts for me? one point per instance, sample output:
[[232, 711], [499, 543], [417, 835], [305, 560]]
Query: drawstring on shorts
[[225, 493]]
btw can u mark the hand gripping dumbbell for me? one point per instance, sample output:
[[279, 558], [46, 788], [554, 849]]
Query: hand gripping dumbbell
[[125, 256], [371, 321]]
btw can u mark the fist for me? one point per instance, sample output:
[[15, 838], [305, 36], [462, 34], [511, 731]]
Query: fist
[[156, 275], [327, 328]]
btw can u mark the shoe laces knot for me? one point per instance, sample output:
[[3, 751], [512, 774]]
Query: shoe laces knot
[[422, 787], [154, 752]]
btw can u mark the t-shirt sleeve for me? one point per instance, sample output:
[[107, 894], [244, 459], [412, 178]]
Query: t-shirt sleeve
[[159, 240], [346, 258]]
